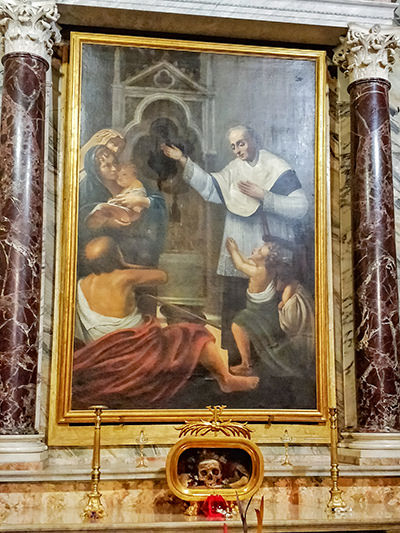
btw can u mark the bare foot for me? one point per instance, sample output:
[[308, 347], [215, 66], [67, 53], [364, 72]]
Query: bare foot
[[241, 370], [238, 383]]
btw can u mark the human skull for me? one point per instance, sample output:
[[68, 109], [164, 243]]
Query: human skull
[[209, 472]]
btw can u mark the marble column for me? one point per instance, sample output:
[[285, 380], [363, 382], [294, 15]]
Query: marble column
[[366, 55], [29, 32]]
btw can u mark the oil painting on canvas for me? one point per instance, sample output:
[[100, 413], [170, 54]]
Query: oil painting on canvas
[[195, 281]]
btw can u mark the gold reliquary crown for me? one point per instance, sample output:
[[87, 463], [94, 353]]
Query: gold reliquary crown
[[215, 426]]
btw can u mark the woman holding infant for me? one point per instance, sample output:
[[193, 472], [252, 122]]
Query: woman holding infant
[[108, 207]]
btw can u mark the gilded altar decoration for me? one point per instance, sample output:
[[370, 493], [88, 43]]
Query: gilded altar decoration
[[215, 456], [215, 425]]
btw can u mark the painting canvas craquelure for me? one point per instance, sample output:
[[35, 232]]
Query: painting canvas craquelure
[[196, 226]]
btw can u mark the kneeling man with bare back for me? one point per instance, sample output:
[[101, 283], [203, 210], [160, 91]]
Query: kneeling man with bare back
[[129, 358]]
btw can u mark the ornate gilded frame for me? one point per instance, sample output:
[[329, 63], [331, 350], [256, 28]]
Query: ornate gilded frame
[[67, 426]]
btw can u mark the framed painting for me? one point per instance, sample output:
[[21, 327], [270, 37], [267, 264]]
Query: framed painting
[[192, 265]]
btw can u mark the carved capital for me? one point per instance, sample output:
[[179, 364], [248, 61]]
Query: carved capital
[[29, 26], [367, 52]]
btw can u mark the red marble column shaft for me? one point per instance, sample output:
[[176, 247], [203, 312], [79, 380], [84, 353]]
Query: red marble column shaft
[[376, 312], [21, 221]]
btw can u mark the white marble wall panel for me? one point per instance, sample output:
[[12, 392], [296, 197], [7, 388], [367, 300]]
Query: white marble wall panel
[[394, 99], [334, 145], [341, 247], [52, 175]]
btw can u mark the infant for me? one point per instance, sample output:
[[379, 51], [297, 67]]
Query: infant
[[127, 179]]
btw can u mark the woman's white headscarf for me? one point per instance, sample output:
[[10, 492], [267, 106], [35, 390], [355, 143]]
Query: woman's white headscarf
[[101, 137]]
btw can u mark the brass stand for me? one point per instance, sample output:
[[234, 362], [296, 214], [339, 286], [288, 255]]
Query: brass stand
[[94, 509], [141, 460], [336, 503], [286, 441]]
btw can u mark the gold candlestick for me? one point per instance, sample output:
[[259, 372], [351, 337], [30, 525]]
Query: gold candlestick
[[336, 502], [141, 460], [286, 441], [94, 509]]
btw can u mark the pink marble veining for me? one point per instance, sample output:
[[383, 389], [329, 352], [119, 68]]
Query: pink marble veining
[[374, 259], [21, 220], [374, 501]]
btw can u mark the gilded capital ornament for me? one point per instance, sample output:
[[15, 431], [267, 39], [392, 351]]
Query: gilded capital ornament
[[29, 26], [367, 52]]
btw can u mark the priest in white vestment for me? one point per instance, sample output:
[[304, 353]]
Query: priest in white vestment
[[262, 195]]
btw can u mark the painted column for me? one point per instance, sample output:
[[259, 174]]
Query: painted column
[[366, 55], [29, 34]]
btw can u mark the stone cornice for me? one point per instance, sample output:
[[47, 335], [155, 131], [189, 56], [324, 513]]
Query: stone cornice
[[29, 26], [310, 12]]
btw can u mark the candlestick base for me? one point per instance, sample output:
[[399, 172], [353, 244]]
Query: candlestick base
[[94, 509], [336, 502], [193, 509]]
